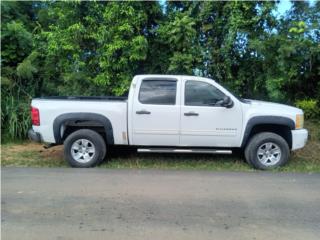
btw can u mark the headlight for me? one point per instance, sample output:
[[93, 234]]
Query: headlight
[[299, 121]]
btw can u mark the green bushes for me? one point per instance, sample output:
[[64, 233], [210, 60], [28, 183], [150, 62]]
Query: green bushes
[[310, 108], [15, 118], [95, 48]]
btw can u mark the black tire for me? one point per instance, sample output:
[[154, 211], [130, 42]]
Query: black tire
[[94, 139], [259, 140]]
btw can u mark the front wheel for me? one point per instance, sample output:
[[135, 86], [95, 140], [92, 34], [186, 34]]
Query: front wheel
[[84, 148], [267, 150]]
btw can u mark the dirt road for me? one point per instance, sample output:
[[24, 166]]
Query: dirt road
[[65, 203]]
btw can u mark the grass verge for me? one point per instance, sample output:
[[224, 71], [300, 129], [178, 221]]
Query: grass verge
[[29, 154]]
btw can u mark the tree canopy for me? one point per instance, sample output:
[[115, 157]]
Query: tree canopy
[[95, 48]]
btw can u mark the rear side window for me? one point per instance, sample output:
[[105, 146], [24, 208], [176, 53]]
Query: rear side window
[[201, 94], [161, 92]]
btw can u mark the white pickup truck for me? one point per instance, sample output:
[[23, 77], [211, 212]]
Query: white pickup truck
[[169, 113]]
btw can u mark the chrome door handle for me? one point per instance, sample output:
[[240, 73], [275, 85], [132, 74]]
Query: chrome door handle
[[191, 114], [143, 112]]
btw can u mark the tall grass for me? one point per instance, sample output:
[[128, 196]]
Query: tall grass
[[15, 117]]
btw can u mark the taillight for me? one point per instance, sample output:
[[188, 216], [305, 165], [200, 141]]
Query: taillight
[[35, 117]]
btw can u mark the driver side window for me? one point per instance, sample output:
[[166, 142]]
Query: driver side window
[[201, 94]]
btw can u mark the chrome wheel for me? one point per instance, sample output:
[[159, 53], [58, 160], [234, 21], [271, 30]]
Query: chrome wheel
[[269, 154], [83, 150]]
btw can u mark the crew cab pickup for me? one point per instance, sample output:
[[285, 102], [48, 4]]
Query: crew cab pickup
[[169, 113]]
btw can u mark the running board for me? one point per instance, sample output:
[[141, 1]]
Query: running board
[[172, 150]]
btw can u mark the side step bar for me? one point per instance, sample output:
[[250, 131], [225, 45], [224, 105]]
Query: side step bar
[[173, 150]]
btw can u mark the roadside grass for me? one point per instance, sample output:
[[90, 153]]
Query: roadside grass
[[27, 154], [179, 161]]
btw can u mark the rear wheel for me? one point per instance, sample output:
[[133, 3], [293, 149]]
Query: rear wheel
[[84, 148], [267, 150]]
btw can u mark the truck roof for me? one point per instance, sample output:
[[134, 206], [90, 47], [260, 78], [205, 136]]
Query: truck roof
[[154, 76]]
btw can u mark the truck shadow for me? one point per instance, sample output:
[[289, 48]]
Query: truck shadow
[[129, 157]]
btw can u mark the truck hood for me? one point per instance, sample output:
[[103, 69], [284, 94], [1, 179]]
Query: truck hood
[[274, 108]]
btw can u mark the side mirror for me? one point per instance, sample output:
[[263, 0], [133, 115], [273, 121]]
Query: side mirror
[[227, 102]]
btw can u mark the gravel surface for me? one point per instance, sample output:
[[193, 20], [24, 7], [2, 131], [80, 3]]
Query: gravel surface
[[65, 203]]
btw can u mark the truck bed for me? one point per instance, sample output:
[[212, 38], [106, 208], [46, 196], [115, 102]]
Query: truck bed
[[84, 98], [113, 108]]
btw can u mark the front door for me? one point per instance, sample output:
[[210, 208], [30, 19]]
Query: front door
[[203, 121], [156, 112]]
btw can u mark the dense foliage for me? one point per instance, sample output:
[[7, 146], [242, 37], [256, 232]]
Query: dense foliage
[[94, 48]]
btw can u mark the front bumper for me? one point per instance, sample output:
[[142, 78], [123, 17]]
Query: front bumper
[[299, 138], [34, 136]]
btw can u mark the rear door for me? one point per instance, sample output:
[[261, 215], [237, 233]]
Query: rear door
[[156, 112]]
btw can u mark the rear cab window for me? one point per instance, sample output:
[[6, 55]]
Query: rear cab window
[[159, 92]]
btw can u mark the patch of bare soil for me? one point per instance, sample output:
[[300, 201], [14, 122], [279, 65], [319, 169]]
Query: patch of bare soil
[[16, 148], [55, 152]]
